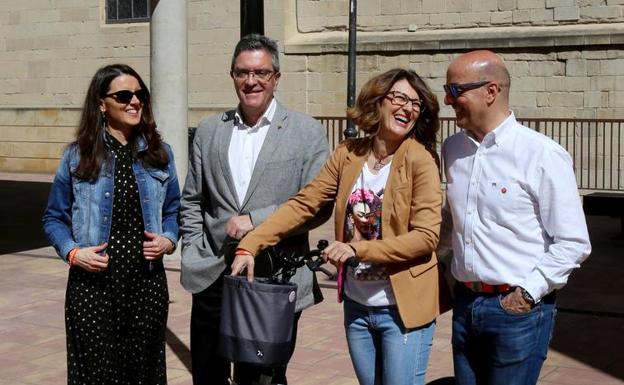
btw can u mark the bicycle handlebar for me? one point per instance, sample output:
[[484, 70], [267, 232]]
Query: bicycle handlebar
[[315, 264], [282, 265]]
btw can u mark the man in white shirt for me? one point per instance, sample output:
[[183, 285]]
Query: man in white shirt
[[514, 220], [244, 163]]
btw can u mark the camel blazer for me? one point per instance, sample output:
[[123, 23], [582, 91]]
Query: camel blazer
[[410, 223]]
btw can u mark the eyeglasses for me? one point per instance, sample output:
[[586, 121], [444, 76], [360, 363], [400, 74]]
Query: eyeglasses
[[398, 98], [261, 75], [456, 89], [125, 96]]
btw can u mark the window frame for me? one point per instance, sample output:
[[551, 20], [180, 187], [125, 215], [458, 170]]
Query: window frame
[[108, 20]]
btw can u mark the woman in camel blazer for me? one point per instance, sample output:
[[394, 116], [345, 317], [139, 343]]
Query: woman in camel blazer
[[386, 190]]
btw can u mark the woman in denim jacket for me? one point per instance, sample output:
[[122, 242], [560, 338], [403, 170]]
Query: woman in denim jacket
[[112, 214]]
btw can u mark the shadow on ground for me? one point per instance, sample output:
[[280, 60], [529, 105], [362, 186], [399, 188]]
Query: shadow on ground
[[179, 349], [590, 321], [590, 308], [590, 318], [21, 207]]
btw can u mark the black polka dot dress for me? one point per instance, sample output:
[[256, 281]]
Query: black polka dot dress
[[116, 320]]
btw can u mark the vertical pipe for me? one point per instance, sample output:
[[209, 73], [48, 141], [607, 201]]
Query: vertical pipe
[[604, 151], [350, 131], [619, 164], [611, 165], [596, 155]]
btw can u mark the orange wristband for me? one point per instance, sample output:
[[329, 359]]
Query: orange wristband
[[71, 257], [240, 251]]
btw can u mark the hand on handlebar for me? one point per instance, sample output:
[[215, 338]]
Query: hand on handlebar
[[339, 253]]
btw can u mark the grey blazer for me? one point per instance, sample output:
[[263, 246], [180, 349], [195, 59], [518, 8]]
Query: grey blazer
[[292, 154]]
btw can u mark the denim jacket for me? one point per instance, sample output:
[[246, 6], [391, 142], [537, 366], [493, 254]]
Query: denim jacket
[[79, 211]]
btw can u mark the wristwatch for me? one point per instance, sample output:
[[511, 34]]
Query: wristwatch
[[527, 296]]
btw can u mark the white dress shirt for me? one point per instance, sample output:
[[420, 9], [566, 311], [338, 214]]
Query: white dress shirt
[[515, 209], [244, 149]]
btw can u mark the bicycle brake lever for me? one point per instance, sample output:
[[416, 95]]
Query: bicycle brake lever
[[314, 264]]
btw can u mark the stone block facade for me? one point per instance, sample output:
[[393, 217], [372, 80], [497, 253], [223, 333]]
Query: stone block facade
[[316, 15], [565, 57]]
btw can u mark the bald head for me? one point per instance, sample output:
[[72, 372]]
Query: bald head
[[486, 65], [483, 102]]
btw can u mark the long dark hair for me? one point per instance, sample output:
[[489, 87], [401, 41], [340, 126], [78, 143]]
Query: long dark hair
[[90, 133], [366, 113]]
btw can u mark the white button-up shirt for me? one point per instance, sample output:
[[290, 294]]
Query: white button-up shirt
[[244, 149], [513, 212]]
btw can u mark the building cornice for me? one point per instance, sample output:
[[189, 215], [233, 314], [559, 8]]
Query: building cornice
[[456, 39]]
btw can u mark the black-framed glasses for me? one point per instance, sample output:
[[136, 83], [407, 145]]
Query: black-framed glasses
[[456, 89], [125, 96], [398, 98], [243, 74]]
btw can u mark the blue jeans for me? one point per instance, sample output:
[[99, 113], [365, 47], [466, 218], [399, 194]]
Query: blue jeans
[[492, 346], [382, 351]]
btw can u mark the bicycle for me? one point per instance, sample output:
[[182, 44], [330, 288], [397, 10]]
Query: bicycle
[[257, 317]]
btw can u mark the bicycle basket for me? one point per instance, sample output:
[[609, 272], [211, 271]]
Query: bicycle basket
[[257, 320]]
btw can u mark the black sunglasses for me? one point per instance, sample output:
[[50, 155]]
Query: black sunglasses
[[125, 96], [455, 89]]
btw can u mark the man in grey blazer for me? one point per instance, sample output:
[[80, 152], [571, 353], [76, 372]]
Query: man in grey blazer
[[243, 164]]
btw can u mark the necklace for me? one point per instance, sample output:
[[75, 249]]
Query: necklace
[[380, 161]]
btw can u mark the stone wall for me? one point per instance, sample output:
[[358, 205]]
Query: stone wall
[[392, 15], [50, 49], [32, 139], [565, 57], [545, 82]]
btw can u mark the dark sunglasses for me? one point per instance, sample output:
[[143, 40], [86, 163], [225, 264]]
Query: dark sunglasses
[[125, 96], [455, 89]]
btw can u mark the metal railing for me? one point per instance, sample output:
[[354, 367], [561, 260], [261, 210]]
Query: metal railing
[[334, 128], [595, 145]]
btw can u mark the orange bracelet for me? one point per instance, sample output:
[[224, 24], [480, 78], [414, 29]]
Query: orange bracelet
[[71, 257], [240, 251]]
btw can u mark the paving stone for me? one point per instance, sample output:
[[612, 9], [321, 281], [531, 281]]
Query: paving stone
[[32, 332]]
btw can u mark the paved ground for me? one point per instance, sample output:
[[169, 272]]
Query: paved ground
[[586, 348]]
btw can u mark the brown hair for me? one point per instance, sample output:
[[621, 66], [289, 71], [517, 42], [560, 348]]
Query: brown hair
[[90, 133], [365, 114]]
